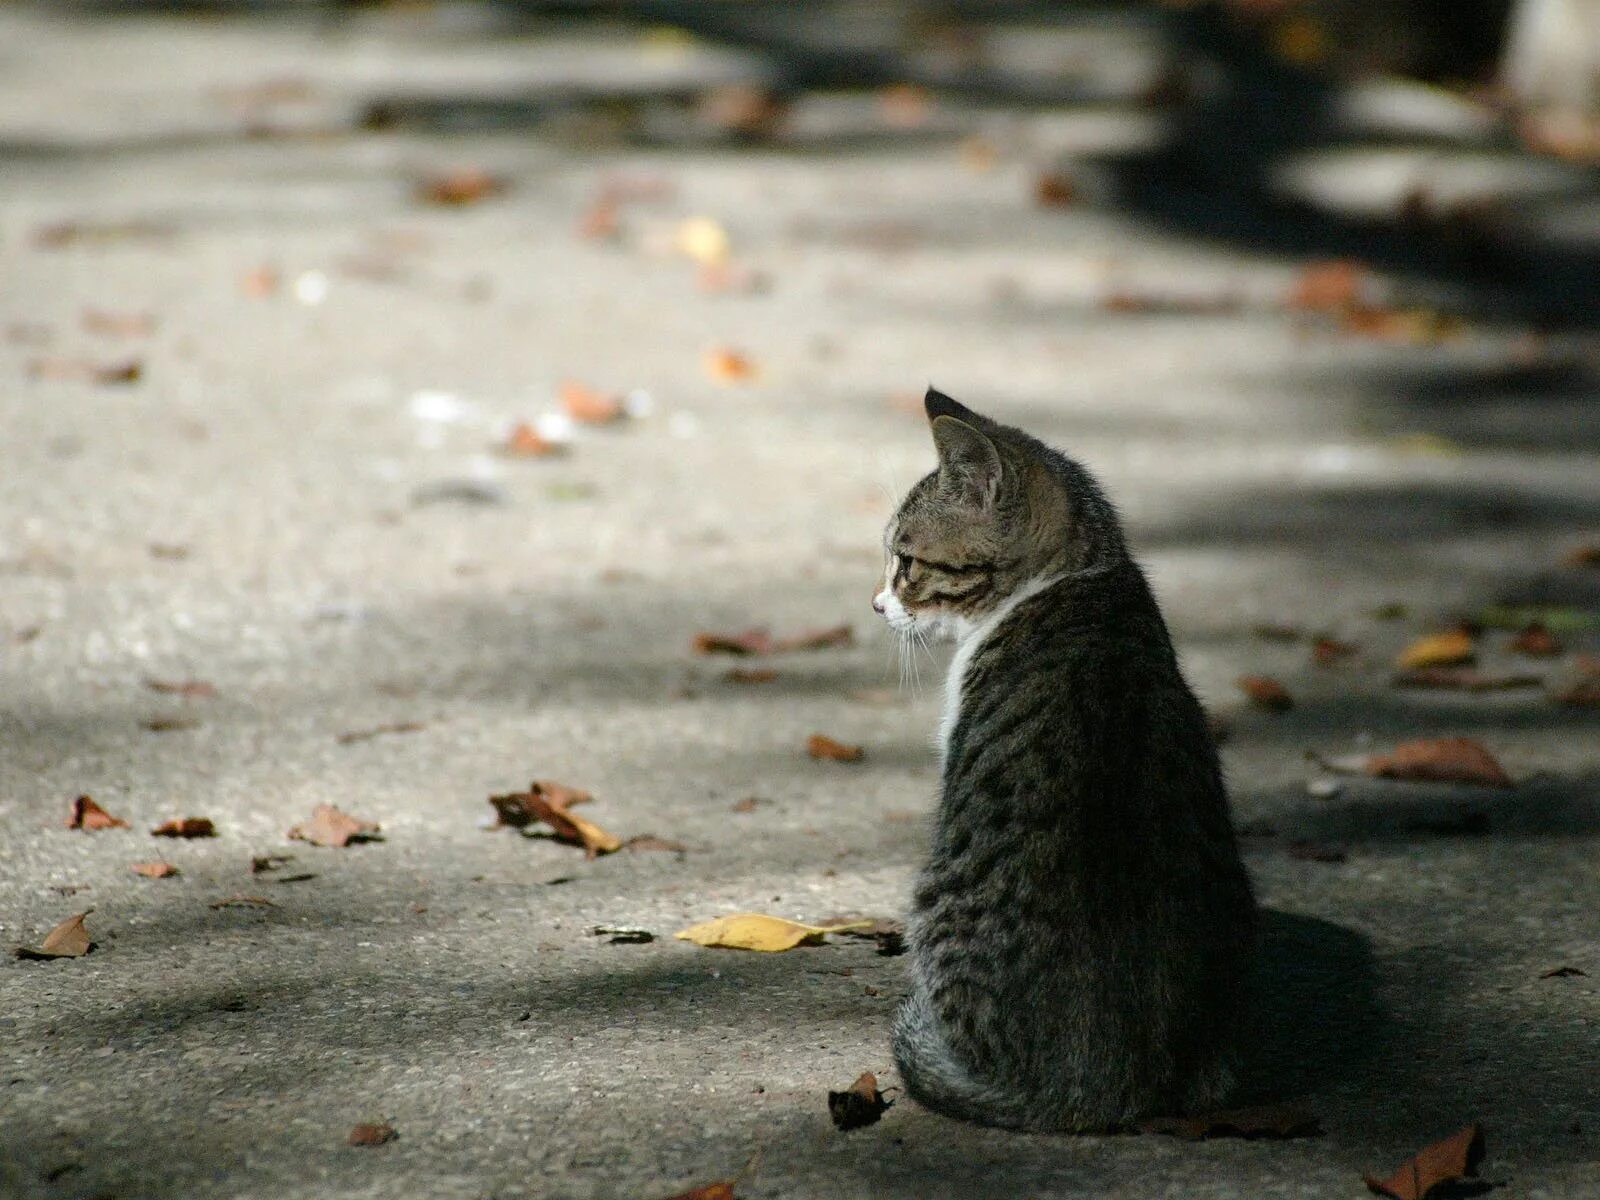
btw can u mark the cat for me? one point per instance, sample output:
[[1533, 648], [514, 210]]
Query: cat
[[1082, 932]]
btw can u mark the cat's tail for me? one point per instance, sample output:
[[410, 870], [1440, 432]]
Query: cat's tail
[[936, 1080]]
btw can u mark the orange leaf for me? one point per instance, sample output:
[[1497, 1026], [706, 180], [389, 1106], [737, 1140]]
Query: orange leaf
[[1440, 650], [722, 1190], [67, 940], [821, 746], [469, 185], [371, 1135], [1440, 760], [751, 641], [155, 870], [1266, 693], [88, 815], [524, 442], [1328, 286], [1325, 652], [589, 406], [330, 827], [728, 366], [859, 1105], [549, 802], [1537, 642], [185, 827], [1439, 1164]]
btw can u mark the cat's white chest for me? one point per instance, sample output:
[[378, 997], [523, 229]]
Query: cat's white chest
[[970, 636]]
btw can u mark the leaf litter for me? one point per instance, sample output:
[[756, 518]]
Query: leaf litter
[[821, 746], [154, 870], [89, 816], [185, 827], [757, 931], [70, 939], [859, 1105], [758, 642], [330, 827], [1434, 1167], [1266, 693], [550, 802]]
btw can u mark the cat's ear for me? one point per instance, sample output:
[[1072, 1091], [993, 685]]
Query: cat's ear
[[937, 405], [969, 463]]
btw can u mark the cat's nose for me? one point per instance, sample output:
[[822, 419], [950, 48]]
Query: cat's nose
[[877, 605]]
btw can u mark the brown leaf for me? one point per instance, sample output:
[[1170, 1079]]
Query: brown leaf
[[243, 902], [81, 370], [820, 745], [524, 441], [185, 827], [154, 870], [269, 862], [113, 324], [548, 802], [1585, 556], [371, 1135], [1453, 648], [747, 805], [817, 639], [747, 109], [330, 827], [1053, 190], [1440, 760], [189, 689], [1439, 1164], [1265, 1121], [649, 841], [67, 940], [88, 815], [1582, 693], [1463, 679], [1563, 973], [1328, 286], [751, 641], [1266, 693], [467, 185], [260, 281], [859, 1105], [1327, 652], [583, 403], [728, 366], [721, 1190], [1317, 852], [1537, 642], [362, 735], [751, 675], [169, 724], [904, 105]]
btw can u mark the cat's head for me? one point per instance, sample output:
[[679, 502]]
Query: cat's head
[[1000, 511]]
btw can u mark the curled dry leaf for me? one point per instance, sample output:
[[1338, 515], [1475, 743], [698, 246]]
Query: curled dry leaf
[[1266, 693], [1463, 679], [67, 940], [820, 745], [549, 802], [89, 816], [1450, 649], [756, 931], [154, 870], [859, 1105], [1437, 1165], [468, 185], [583, 403], [728, 366], [185, 827], [1265, 1121], [330, 827], [371, 1135], [1327, 652], [1440, 760], [1536, 642]]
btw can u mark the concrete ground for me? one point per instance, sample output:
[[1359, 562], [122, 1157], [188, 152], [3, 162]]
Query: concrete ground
[[299, 502]]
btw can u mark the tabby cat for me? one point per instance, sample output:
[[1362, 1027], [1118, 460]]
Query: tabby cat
[[1083, 928]]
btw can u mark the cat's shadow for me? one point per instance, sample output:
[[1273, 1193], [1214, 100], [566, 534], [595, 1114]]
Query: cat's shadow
[[1315, 1013]]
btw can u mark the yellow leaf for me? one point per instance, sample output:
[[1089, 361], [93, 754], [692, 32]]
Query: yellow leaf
[[756, 931], [595, 840], [1439, 650]]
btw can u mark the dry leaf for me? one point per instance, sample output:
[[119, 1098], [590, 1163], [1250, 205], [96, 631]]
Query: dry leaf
[[189, 689], [589, 406], [1584, 556], [755, 931], [1055, 191], [747, 109], [1463, 679], [548, 802], [649, 841], [330, 827], [154, 870], [1440, 650], [721, 1190], [112, 324], [728, 366], [817, 639], [1266, 693], [362, 735], [623, 935], [469, 185], [751, 675], [1266, 1121], [747, 805], [1563, 973], [1440, 760], [1537, 642], [600, 220], [751, 641], [1326, 652], [185, 827], [67, 940], [1582, 693], [904, 105], [819, 745], [371, 1135], [859, 1105], [169, 724], [260, 281], [1439, 1164], [243, 902], [1328, 286], [524, 441], [81, 370], [88, 815]]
